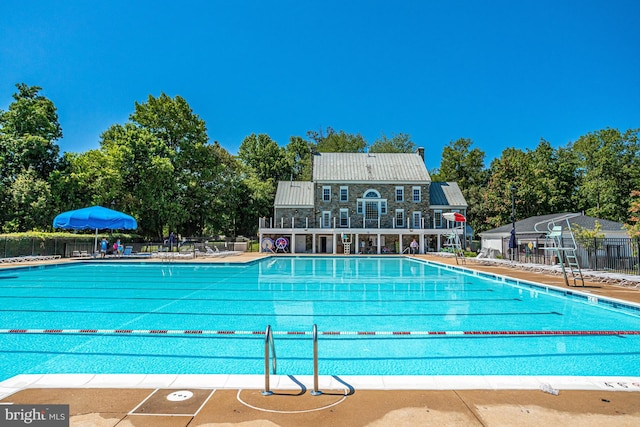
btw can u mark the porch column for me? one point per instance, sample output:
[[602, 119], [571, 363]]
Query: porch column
[[379, 252], [422, 242], [400, 248], [313, 242], [357, 243], [335, 243], [438, 243], [292, 244]]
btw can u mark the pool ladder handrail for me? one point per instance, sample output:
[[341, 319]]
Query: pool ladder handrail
[[268, 341], [315, 391]]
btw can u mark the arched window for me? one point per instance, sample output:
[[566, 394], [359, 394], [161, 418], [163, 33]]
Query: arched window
[[371, 205], [371, 194]]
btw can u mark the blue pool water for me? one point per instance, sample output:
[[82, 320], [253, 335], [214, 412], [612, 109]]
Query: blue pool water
[[342, 294]]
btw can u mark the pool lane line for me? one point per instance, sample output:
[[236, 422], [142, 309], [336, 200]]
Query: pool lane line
[[178, 298], [294, 333], [208, 315]]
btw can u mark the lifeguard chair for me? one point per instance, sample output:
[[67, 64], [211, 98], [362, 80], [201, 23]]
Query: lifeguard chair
[[346, 243], [453, 240], [565, 249]]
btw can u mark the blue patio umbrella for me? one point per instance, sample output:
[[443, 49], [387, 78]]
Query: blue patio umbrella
[[512, 240], [95, 217]]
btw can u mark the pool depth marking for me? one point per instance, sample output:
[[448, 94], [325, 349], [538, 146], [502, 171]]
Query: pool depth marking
[[330, 333]]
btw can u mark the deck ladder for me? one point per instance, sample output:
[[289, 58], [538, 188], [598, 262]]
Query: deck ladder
[[268, 344]]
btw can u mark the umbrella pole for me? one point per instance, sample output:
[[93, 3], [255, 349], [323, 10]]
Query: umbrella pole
[[95, 247]]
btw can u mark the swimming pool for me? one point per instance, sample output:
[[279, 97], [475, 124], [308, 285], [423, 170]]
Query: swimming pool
[[375, 316]]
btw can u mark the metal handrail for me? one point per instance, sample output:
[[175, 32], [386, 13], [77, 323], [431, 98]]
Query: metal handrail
[[268, 341], [551, 221], [315, 391]]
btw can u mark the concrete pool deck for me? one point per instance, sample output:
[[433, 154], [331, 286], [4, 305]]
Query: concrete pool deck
[[109, 400]]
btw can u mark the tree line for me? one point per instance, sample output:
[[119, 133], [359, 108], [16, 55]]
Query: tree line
[[161, 167]]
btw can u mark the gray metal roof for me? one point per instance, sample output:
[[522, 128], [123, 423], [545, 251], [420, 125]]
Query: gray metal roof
[[527, 226], [446, 194], [370, 167], [294, 194]]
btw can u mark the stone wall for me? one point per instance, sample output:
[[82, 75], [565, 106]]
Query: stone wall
[[299, 215], [387, 191]]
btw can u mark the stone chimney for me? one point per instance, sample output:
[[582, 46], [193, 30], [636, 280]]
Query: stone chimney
[[420, 151]]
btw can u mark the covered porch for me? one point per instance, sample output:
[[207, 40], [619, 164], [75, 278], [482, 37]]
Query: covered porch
[[352, 240]]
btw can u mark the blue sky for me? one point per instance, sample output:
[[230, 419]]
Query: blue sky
[[503, 73]]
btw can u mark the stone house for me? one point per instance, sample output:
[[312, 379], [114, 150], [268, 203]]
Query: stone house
[[362, 203]]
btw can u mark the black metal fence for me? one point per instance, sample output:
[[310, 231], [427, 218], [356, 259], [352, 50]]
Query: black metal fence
[[620, 255], [11, 247]]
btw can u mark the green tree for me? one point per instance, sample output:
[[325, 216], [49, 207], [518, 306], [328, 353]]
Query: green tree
[[337, 142], [28, 131], [29, 196], [400, 143], [233, 205], [135, 172], [465, 165], [298, 152], [28, 151], [609, 167], [548, 180], [265, 157], [172, 121], [632, 224], [462, 164], [591, 240], [504, 172]]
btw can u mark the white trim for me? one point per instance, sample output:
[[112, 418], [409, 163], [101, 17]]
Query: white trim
[[343, 187], [413, 197], [395, 196], [324, 188], [322, 221]]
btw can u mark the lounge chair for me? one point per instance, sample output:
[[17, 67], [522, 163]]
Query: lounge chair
[[213, 252]]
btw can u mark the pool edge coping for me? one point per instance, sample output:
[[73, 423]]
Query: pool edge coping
[[327, 382]]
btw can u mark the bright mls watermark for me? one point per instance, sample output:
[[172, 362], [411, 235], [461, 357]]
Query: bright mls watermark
[[34, 415]]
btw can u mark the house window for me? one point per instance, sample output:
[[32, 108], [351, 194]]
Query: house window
[[371, 210], [344, 217], [437, 219], [326, 219], [399, 194], [371, 205], [417, 194], [344, 194], [326, 193], [400, 218], [417, 216]]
